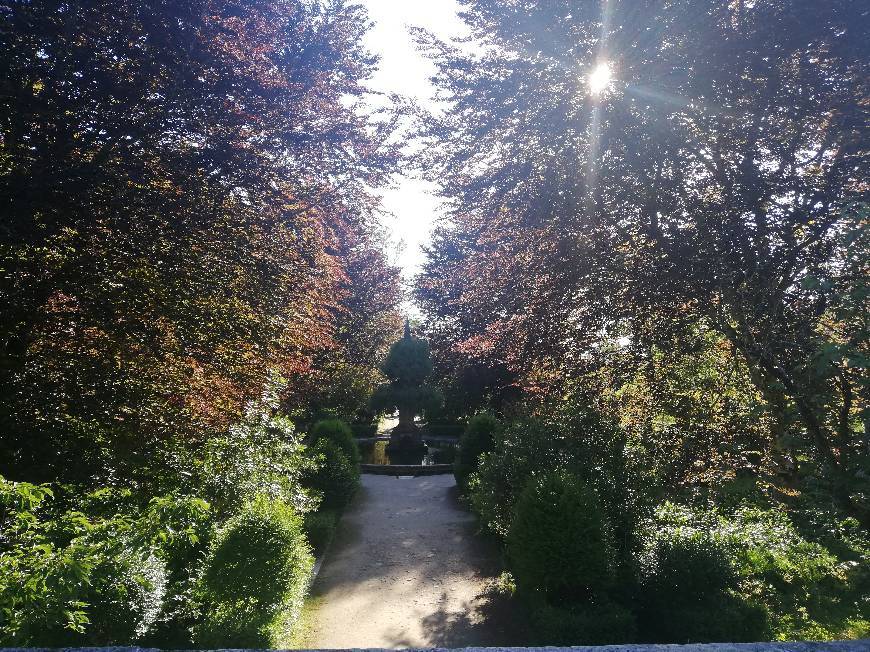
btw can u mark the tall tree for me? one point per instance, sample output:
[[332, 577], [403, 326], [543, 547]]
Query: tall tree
[[172, 180], [707, 181]]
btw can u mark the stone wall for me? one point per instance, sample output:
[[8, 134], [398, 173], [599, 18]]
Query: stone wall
[[403, 469], [834, 646]]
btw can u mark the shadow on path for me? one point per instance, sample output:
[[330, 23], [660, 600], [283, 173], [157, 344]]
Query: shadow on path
[[406, 570]]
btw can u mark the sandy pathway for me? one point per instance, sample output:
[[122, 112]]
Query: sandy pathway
[[405, 570]]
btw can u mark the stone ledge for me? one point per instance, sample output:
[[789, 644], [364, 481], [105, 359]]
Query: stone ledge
[[406, 469], [800, 646]]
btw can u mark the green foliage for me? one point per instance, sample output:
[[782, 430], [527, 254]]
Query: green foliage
[[807, 590], [446, 430], [600, 623], [408, 362], [340, 434], [389, 398], [573, 438], [689, 594], [336, 478], [559, 542], [476, 440], [320, 528], [364, 430], [67, 578], [443, 454], [255, 578], [407, 366], [262, 454]]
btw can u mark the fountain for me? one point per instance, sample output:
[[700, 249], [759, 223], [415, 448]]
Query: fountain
[[407, 366]]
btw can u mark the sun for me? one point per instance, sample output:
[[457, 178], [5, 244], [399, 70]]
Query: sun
[[600, 78]]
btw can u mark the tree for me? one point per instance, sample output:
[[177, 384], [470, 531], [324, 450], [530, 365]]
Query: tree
[[407, 366], [177, 180], [707, 186], [367, 319]]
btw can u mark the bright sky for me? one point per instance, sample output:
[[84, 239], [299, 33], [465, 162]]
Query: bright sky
[[403, 70]]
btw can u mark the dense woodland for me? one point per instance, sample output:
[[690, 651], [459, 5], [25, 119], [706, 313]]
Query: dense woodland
[[646, 306]]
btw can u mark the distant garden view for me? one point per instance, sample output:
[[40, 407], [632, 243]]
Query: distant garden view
[[639, 334]]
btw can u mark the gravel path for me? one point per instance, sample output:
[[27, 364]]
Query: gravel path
[[406, 570]]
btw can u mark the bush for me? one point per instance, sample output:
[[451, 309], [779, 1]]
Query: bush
[[521, 451], [255, 578], [340, 434], [443, 454], [320, 528], [558, 544], [808, 591], [571, 438], [364, 430], [604, 623], [336, 478], [262, 454], [96, 571], [688, 594], [477, 439]]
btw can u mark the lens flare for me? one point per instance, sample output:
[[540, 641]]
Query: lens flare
[[600, 78]]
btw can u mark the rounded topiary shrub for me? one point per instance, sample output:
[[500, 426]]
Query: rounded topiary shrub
[[558, 545], [477, 439], [336, 478], [688, 595], [254, 579], [338, 432]]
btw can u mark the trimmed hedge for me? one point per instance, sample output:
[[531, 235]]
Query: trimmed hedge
[[320, 528], [255, 578], [336, 478], [338, 432], [477, 439], [558, 545]]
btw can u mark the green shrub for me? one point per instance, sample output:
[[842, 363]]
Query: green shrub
[[558, 544], [689, 594], [809, 591], [340, 434], [96, 571], [336, 478], [262, 454], [364, 430], [520, 452], [320, 528], [477, 439], [255, 578], [444, 454], [571, 438], [604, 623]]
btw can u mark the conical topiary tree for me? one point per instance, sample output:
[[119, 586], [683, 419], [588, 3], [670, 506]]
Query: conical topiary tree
[[407, 366]]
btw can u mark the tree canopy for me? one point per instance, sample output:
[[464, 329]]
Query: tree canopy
[[187, 217], [712, 186]]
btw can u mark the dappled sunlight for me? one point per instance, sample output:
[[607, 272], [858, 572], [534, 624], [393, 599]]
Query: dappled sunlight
[[405, 570]]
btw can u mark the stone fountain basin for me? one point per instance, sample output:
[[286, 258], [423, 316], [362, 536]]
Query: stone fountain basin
[[376, 460]]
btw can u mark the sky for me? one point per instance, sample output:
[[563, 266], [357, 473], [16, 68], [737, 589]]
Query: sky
[[411, 204]]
